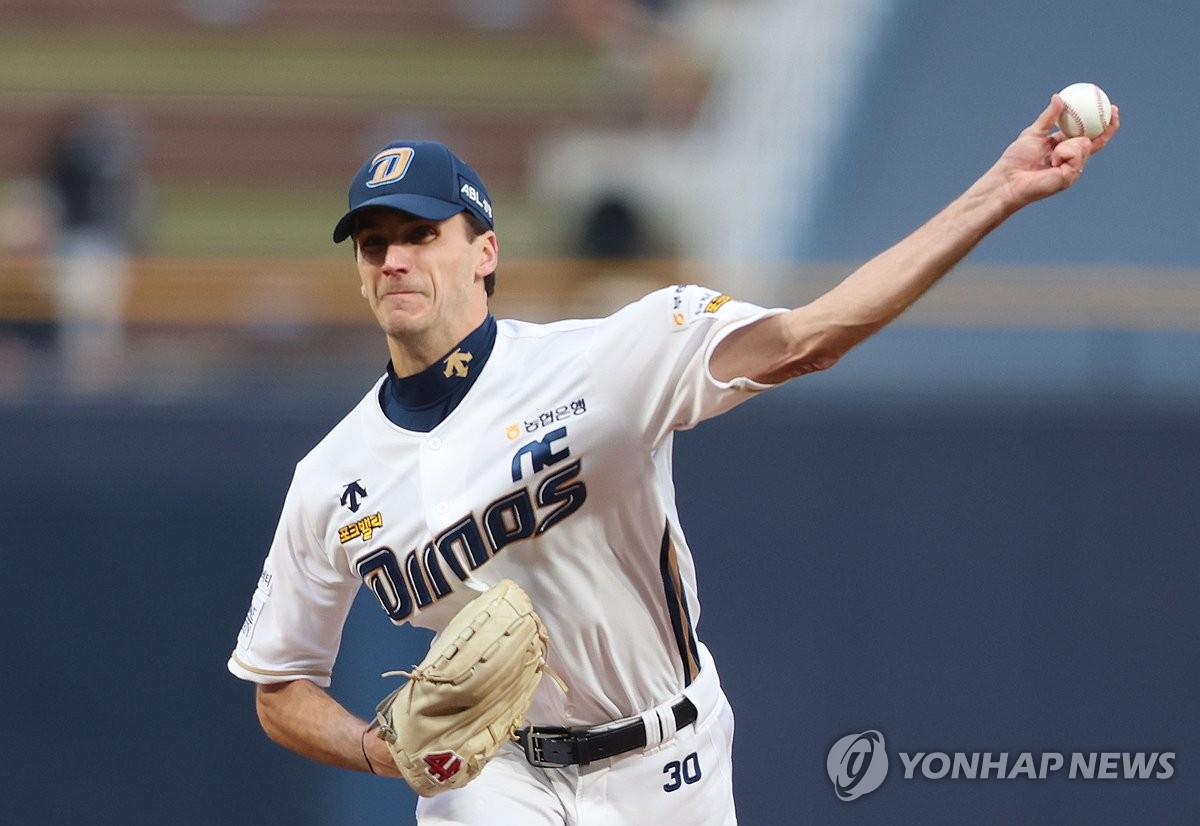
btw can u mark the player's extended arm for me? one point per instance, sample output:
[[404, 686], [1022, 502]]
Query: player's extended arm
[[301, 716], [1036, 165]]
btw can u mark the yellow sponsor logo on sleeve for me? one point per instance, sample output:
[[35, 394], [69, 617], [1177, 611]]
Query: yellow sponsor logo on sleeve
[[364, 528], [717, 303]]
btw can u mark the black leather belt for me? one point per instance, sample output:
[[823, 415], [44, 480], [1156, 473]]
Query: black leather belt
[[549, 748]]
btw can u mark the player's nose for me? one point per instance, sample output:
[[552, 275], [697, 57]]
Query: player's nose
[[397, 259]]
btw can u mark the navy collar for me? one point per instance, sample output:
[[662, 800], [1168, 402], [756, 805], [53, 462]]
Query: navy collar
[[422, 401]]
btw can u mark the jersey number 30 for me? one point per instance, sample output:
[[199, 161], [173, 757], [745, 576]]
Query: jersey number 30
[[682, 771]]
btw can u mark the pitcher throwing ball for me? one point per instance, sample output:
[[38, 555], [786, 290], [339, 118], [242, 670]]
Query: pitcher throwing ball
[[495, 450]]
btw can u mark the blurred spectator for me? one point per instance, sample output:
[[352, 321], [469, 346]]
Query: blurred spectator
[[27, 229], [94, 171], [612, 230], [27, 217]]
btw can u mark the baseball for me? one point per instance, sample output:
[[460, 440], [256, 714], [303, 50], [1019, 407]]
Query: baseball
[[1088, 110]]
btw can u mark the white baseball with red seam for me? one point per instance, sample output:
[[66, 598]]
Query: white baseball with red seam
[[1088, 110]]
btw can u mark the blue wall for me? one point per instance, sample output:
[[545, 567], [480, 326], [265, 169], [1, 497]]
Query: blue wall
[[984, 575], [954, 82]]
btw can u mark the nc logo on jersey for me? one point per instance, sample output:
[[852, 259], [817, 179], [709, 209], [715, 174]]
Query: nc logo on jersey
[[389, 166], [857, 764], [540, 453]]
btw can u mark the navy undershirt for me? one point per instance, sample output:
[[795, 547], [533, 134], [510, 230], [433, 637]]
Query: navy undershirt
[[423, 401]]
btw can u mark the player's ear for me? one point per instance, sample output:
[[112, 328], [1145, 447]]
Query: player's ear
[[489, 255], [362, 289]]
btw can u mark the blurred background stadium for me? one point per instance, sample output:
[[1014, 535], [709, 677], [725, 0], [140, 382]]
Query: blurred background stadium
[[981, 526]]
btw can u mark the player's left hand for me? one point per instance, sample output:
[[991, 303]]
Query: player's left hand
[[469, 694], [1041, 161]]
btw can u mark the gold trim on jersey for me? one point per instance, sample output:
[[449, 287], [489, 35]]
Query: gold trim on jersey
[[266, 672], [677, 607]]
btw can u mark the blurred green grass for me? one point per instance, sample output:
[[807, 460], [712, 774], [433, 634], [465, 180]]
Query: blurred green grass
[[336, 70], [244, 221], [219, 221], [333, 73]]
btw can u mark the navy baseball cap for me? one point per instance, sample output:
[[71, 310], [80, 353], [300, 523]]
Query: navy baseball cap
[[421, 178]]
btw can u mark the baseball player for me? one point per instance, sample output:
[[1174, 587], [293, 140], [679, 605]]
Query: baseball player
[[541, 453]]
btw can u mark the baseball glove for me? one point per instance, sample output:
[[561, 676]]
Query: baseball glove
[[469, 694]]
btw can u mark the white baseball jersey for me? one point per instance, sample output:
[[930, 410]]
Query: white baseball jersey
[[554, 471]]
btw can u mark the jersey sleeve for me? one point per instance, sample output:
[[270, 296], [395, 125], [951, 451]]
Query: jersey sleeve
[[659, 348], [294, 626]]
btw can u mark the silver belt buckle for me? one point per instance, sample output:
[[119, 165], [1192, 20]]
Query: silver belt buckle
[[534, 751]]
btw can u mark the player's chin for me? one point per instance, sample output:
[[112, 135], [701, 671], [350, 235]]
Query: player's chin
[[401, 323]]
